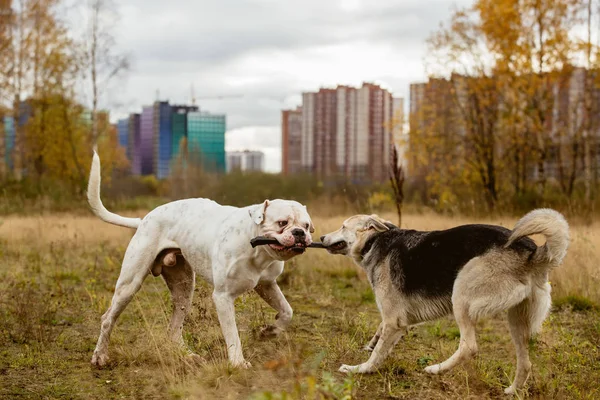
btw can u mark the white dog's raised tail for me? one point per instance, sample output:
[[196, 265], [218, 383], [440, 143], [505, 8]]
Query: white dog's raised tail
[[553, 226], [93, 195]]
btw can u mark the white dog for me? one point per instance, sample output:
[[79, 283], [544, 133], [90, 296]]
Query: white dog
[[198, 236]]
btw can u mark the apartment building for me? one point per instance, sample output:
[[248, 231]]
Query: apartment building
[[206, 139], [346, 132], [435, 110], [246, 160], [133, 149], [154, 138], [291, 141]]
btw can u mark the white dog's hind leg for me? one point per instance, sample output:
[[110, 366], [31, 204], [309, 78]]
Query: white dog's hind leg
[[390, 334], [180, 279], [136, 265], [271, 293]]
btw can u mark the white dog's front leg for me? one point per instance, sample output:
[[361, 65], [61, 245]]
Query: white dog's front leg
[[270, 292], [389, 337], [224, 302]]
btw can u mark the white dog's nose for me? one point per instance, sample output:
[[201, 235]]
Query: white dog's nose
[[298, 233]]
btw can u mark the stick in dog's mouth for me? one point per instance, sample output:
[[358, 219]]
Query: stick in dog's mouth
[[262, 240]]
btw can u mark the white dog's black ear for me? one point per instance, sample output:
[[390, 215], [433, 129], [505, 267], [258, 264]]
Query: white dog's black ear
[[376, 223], [257, 213]]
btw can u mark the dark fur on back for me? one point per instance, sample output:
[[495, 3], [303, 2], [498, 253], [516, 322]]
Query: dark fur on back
[[427, 263]]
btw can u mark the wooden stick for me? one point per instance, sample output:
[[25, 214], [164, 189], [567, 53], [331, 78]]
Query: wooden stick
[[261, 241]]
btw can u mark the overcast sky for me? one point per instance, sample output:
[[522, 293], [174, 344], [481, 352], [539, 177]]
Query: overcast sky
[[269, 52]]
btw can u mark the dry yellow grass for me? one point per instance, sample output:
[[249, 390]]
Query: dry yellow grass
[[60, 272], [579, 274]]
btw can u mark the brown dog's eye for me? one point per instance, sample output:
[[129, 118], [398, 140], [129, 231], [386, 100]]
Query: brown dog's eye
[[282, 223]]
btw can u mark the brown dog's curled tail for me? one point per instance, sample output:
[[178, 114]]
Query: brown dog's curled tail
[[553, 226]]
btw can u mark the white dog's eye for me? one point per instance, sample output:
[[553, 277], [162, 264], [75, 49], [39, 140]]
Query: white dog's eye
[[282, 223], [306, 226]]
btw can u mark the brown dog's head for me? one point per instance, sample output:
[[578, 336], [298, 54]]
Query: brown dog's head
[[354, 233]]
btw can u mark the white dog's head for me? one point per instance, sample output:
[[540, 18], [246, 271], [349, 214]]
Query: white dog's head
[[288, 222], [354, 233]]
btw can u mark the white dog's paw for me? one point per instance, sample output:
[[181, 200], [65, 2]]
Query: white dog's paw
[[434, 369], [243, 364], [368, 348], [364, 368], [510, 390], [348, 369], [99, 359]]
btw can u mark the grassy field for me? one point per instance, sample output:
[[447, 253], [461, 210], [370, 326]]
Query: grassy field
[[60, 271]]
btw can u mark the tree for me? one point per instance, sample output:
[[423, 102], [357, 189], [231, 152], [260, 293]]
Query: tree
[[41, 64], [397, 182], [516, 98], [475, 98], [103, 62], [34, 45]]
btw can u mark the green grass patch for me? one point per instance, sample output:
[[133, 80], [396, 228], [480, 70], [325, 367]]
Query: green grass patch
[[576, 303]]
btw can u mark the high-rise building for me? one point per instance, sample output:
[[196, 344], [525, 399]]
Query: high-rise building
[[179, 127], [255, 160], [134, 152], [308, 132], [246, 160], [324, 142], [206, 139], [433, 112], [123, 132], [162, 139], [345, 132], [147, 141], [153, 138], [291, 141], [234, 161]]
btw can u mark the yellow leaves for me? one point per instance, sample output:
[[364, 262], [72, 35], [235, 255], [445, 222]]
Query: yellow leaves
[[380, 201], [492, 125], [58, 142]]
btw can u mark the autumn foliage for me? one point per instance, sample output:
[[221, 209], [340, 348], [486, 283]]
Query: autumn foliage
[[509, 116], [42, 68]]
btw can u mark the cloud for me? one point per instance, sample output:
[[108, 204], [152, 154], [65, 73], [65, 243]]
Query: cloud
[[268, 51]]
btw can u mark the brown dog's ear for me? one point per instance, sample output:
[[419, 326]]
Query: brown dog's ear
[[377, 223], [257, 213]]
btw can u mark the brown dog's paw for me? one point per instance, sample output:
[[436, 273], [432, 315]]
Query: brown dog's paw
[[269, 332], [99, 360]]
